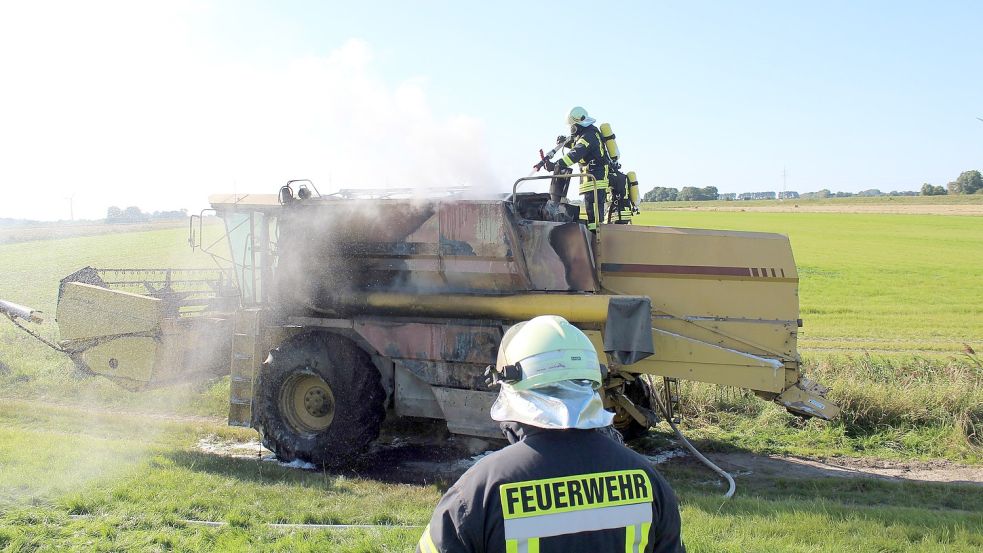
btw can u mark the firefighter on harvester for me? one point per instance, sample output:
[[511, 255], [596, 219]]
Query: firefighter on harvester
[[596, 152], [564, 484], [587, 150]]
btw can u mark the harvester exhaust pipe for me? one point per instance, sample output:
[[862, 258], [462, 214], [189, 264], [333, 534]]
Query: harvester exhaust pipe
[[17, 311]]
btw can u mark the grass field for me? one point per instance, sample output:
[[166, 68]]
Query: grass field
[[845, 204], [873, 281], [888, 301]]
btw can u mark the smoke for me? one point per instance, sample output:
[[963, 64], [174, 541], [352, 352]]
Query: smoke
[[126, 104]]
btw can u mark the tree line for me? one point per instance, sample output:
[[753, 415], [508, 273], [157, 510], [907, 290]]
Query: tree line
[[134, 214], [687, 194], [968, 182]]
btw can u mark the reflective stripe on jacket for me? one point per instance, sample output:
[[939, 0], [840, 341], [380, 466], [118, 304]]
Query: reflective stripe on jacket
[[557, 490], [588, 150]]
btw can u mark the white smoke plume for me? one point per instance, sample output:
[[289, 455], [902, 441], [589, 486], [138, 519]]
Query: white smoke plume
[[123, 104]]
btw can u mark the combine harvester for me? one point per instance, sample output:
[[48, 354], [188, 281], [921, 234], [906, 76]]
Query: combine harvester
[[328, 312]]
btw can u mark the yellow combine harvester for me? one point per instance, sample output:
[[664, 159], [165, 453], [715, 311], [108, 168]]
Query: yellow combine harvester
[[347, 308]]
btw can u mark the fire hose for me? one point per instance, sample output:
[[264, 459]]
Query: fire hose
[[732, 486]]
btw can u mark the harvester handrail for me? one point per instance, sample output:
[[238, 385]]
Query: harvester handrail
[[191, 228]]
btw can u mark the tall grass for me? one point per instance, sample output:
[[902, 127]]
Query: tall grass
[[893, 406]]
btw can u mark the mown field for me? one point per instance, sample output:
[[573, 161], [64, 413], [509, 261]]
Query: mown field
[[888, 302]]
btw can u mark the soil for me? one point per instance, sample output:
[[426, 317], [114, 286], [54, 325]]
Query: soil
[[907, 209], [780, 466], [425, 454], [421, 461], [50, 231]]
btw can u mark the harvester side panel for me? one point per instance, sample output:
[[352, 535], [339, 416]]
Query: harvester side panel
[[735, 289]]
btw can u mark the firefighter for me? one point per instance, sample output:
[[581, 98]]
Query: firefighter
[[587, 150], [563, 484]]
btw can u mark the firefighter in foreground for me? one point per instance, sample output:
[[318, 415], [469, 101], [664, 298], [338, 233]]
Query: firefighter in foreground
[[564, 484]]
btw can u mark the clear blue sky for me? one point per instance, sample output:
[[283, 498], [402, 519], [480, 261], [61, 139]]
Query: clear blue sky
[[846, 95]]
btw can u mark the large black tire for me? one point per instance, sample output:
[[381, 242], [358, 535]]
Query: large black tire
[[319, 398], [638, 392]]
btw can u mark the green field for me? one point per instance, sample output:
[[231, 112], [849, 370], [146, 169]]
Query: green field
[[963, 199], [888, 302], [873, 282]]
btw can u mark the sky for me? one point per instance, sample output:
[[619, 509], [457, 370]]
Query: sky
[[159, 104]]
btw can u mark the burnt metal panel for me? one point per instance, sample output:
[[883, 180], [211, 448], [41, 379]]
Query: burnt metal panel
[[469, 376], [558, 256], [468, 411], [414, 397], [448, 342]]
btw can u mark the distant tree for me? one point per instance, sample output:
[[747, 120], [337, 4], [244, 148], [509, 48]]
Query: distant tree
[[113, 212], [178, 214], [967, 183], [692, 193], [930, 190], [661, 194], [689, 194], [870, 192], [824, 193]]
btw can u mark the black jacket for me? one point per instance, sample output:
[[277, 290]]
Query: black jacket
[[588, 150], [567, 491]]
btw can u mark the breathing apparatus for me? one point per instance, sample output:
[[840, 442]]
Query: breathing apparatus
[[625, 186]]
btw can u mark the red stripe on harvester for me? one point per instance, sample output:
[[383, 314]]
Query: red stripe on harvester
[[676, 269]]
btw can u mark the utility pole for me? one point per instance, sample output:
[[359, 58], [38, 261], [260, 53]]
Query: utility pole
[[71, 207], [784, 181]]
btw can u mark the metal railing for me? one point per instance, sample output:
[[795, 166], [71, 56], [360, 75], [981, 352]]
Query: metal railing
[[590, 178]]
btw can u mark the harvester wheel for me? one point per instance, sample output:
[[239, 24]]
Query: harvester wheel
[[638, 392], [319, 399]]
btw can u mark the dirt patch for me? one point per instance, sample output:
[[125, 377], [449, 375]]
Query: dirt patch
[[424, 457], [13, 235], [30, 404], [917, 209], [421, 461], [780, 466]]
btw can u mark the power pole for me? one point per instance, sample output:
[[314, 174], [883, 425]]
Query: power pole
[[784, 181], [71, 207]]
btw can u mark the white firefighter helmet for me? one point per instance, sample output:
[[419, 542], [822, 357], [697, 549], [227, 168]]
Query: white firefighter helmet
[[555, 374], [578, 116], [548, 349]]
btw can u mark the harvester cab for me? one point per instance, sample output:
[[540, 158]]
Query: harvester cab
[[329, 311]]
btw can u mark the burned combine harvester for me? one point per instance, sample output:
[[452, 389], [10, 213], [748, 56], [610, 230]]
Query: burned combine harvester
[[349, 308]]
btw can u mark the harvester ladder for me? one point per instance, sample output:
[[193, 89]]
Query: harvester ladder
[[670, 391], [246, 358]]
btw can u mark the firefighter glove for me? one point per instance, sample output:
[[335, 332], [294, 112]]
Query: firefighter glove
[[549, 165]]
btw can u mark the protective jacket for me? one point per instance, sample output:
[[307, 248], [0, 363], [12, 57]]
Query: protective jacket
[[588, 150], [570, 491]]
